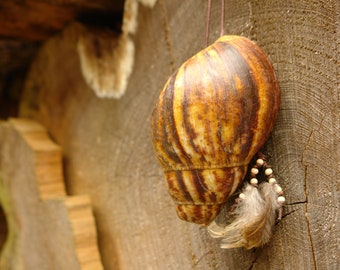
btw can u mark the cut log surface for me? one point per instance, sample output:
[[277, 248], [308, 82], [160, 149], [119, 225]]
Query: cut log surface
[[46, 228], [108, 152]]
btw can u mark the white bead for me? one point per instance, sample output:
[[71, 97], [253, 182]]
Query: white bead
[[268, 171], [249, 187], [260, 162], [254, 181], [254, 171], [242, 196], [281, 199], [272, 181], [278, 189]]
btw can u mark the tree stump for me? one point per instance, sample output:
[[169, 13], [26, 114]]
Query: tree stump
[[107, 147]]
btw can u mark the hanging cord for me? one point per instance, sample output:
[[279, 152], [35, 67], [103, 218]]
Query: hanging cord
[[222, 18], [207, 28], [207, 24]]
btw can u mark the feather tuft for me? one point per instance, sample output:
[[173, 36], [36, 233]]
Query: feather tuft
[[254, 218]]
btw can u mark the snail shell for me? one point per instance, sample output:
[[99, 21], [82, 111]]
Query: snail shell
[[213, 115]]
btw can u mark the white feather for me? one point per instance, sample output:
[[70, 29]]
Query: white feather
[[253, 221]]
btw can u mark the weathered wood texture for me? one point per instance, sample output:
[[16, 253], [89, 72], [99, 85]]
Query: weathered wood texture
[[46, 229], [108, 151]]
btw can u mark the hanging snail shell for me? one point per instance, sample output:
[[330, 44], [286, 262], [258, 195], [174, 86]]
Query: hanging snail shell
[[213, 115]]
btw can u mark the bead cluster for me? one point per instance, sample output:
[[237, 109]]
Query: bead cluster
[[261, 162]]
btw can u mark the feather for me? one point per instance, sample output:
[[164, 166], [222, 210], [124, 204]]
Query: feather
[[254, 218]]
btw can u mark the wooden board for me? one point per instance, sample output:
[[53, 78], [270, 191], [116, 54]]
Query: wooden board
[[46, 229], [107, 143]]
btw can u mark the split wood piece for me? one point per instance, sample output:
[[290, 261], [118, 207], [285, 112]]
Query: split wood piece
[[47, 158], [84, 233], [46, 229]]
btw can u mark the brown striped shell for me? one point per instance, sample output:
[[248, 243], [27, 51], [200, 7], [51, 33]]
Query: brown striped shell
[[213, 115]]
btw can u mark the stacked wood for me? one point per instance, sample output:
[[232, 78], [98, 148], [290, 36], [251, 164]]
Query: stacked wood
[[46, 229]]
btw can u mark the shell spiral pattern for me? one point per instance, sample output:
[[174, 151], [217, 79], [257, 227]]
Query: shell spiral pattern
[[213, 115]]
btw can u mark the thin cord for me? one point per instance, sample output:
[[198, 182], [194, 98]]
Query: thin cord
[[208, 21], [207, 24], [222, 18]]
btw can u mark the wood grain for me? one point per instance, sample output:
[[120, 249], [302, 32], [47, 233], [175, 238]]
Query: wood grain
[[46, 229], [107, 145]]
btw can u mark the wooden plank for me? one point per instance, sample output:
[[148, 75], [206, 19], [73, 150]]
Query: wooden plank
[[84, 232], [40, 217], [47, 158], [27, 217], [108, 147]]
